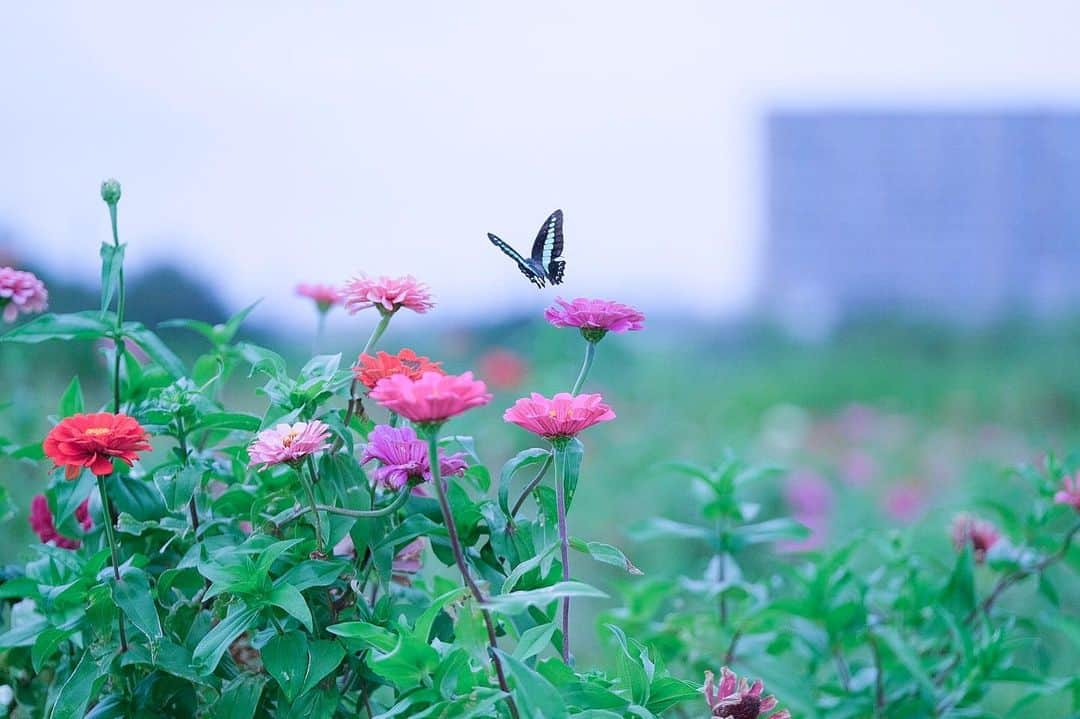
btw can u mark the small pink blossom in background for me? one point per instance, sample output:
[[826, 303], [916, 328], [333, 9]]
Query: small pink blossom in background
[[108, 345], [402, 456], [324, 296], [1070, 492], [288, 443], [408, 561], [44, 526], [858, 421], [600, 315], [739, 699], [388, 294], [21, 293], [503, 368], [810, 497], [858, 468], [904, 502], [432, 398], [564, 415], [979, 533]]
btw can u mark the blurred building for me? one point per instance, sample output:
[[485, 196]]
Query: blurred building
[[965, 215]]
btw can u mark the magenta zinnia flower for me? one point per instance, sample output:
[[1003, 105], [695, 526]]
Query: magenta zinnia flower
[[432, 398], [979, 533], [388, 294], [738, 699], [21, 293], [1070, 492], [288, 443], [564, 415], [594, 318], [44, 525], [325, 296], [403, 457]]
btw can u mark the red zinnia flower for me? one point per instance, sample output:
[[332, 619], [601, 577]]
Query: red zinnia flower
[[739, 699], [44, 526], [93, 440], [369, 370]]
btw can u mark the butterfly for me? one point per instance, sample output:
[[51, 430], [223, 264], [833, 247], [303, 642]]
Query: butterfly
[[544, 263]]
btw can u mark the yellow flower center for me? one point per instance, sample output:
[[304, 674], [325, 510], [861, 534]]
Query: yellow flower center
[[288, 439], [97, 431]]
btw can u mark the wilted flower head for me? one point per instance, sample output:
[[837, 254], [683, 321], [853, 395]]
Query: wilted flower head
[[288, 443], [44, 526], [1070, 492], [979, 533], [369, 370], [21, 293], [93, 440], [594, 318], [503, 368], [564, 415], [431, 399], [388, 294], [403, 457], [325, 296], [739, 699]]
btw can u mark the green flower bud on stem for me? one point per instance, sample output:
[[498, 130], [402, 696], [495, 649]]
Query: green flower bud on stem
[[110, 191]]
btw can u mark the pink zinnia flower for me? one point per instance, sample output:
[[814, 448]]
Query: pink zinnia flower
[[288, 443], [21, 293], [979, 533], [403, 457], [564, 415], [1070, 492], [325, 296], [503, 369], [594, 318], [44, 526], [432, 398], [738, 699], [388, 294]]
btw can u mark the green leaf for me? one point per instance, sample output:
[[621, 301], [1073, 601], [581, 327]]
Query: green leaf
[[112, 263], [658, 527], [370, 634], [533, 641], [90, 325], [208, 651], [408, 664], [224, 334], [78, 689], [605, 553], [519, 602], [229, 420], [177, 488], [46, 645], [907, 657], [286, 659], [958, 596], [312, 573], [292, 601], [525, 458], [666, 692], [240, 697], [134, 596], [422, 628], [71, 402], [155, 348], [572, 453], [535, 696], [773, 530]]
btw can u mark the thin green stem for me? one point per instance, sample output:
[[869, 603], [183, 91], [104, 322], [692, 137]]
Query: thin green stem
[[118, 340], [320, 327], [309, 488], [114, 551], [399, 500], [354, 400], [432, 434], [590, 355], [564, 538]]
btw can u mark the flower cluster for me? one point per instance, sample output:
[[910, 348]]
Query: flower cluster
[[94, 441], [387, 294], [21, 293], [370, 369], [288, 444], [403, 457]]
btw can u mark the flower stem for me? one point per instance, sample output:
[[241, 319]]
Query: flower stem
[[316, 519], [459, 559], [564, 538], [320, 327], [350, 409], [118, 339], [114, 551], [590, 355]]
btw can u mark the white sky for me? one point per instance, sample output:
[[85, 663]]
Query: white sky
[[266, 144]]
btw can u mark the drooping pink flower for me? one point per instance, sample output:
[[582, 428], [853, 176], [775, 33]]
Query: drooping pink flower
[[388, 294], [738, 699], [432, 398], [21, 293], [324, 296], [288, 443], [564, 415], [594, 318], [402, 457], [503, 368], [1070, 492], [408, 561], [979, 533], [44, 526]]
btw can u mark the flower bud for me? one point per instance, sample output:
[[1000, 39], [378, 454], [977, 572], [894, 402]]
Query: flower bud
[[110, 191]]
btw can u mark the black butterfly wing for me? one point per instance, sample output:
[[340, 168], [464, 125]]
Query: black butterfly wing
[[548, 246], [523, 264]]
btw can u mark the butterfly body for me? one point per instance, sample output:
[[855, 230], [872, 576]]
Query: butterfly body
[[544, 263]]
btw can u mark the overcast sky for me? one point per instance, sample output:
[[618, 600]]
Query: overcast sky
[[265, 144]]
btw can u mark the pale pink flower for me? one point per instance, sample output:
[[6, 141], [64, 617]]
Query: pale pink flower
[[857, 468], [905, 502], [738, 699], [979, 533], [1070, 492], [388, 294], [324, 296], [564, 415], [403, 457], [21, 293], [288, 443], [433, 398], [810, 497], [594, 318]]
